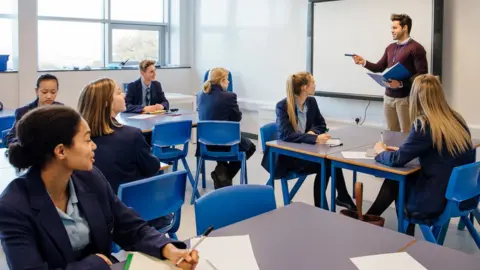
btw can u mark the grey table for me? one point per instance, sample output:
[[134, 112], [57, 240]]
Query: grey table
[[146, 125], [442, 258], [300, 236]]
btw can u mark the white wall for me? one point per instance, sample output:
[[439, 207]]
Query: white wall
[[262, 41], [9, 90]]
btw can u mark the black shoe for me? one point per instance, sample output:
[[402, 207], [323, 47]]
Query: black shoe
[[216, 180], [349, 205], [222, 172]]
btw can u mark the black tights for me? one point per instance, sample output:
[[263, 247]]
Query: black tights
[[340, 186]]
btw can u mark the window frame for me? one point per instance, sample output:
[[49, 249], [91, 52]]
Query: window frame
[[109, 25]]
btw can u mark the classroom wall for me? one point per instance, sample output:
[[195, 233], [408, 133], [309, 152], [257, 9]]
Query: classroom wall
[[262, 41]]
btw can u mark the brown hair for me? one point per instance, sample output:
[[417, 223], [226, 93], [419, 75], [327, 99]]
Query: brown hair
[[95, 106], [428, 105], [403, 19], [215, 76], [145, 64], [294, 87]]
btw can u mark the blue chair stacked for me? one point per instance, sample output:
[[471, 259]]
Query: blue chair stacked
[[464, 185], [232, 204], [219, 133], [269, 133], [6, 124], [157, 196], [230, 85], [165, 137]]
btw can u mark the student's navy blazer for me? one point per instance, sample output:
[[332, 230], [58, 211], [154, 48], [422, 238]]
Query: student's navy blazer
[[427, 192], [124, 156], [19, 113], [34, 237], [286, 132], [134, 97], [218, 105]]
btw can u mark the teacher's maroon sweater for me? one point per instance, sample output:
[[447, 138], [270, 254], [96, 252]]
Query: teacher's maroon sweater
[[412, 56]]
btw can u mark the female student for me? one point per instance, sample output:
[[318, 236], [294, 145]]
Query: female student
[[215, 103], [299, 120], [63, 214], [122, 153], [439, 138]]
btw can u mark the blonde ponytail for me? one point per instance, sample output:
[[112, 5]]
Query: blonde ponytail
[[215, 76], [291, 102], [207, 87]]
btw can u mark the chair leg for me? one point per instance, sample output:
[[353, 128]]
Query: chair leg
[[286, 195], [197, 175], [427, 234], [476, 215], [243, 170], [190, 176], [354, 182], [461, 226], [296, 187], [175, 165], [204, 180], [472, 230], [246, 172], [173, 236], [443, 233]]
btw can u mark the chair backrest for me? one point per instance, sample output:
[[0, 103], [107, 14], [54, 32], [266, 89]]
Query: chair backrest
[[156, 196], [4, 134], [230, 85], [268, 133], [464, 184], [232, 204], [172, 133], [218, 133], [6, 122]]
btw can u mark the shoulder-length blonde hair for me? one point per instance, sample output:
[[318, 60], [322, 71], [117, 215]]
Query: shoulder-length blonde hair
[[95, 106], [429, 106], [215, 76], [294, 88]]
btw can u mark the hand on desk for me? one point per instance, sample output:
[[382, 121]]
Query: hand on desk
[[159, 107], [173, 254], [381, 147], [312, 133], [322, 138], [149, 109]]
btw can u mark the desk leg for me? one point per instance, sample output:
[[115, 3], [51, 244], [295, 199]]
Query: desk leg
[[323, 185], [332, 187], [401, 204]]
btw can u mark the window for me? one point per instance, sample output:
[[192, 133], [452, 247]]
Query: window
[[8, 26], [95, 33]]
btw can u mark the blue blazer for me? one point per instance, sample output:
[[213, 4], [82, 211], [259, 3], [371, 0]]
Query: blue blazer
[[124, 156], [286, 132], [219, 105], [34, 237], [427, 192], [134, 97], [19, 113]]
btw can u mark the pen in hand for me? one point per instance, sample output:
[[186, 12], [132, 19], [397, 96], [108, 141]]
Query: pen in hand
[[204, 235]]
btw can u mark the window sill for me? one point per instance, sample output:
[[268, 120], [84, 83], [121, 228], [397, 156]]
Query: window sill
[[109, 69]]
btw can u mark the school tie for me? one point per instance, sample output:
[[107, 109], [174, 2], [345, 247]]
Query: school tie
[[147, 96]]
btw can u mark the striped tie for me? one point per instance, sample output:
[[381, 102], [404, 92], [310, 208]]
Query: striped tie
[[147, 96]]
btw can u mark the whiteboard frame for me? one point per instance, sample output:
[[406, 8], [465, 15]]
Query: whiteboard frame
[[437, 47]]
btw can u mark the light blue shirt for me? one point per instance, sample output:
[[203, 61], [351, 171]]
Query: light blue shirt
[[302, 118], [144, 92], [75, 224]]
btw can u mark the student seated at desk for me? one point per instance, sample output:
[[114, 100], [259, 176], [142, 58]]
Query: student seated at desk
[[63, 214], [440, 139], [299, 120], [122, 153], [146, 94], [46, 91], [215, 103]]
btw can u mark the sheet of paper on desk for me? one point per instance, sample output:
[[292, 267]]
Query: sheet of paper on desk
[[141, 116], [142, 261], [226, 253], [355, 155], [333, 142], [390, 261]]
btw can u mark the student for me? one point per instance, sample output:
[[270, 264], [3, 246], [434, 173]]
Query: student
[[413, 57], [215, 103], [299, 120], [46, 91], [122, 153], [439, 138], [62, 214], [146, 94]]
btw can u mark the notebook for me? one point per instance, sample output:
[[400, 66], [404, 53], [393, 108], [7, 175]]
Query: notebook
[[396, 72]]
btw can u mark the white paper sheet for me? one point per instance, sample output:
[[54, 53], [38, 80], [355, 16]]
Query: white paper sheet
[[226, 253], [142, 261], [390, 261], [333, 142], [355, 155], [141, 116]]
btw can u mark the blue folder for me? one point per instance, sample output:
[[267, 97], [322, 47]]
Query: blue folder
[[396, 72]]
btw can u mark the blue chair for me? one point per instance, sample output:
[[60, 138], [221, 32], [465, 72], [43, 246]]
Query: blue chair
[[230, 85], [475, 215], [165, 137], [4, 134], [464, 184], [269, 133], [6, 123], [156, 197], [219, 133], [232, 204]]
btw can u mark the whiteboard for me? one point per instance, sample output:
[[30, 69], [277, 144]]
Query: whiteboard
[[362, 27]]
